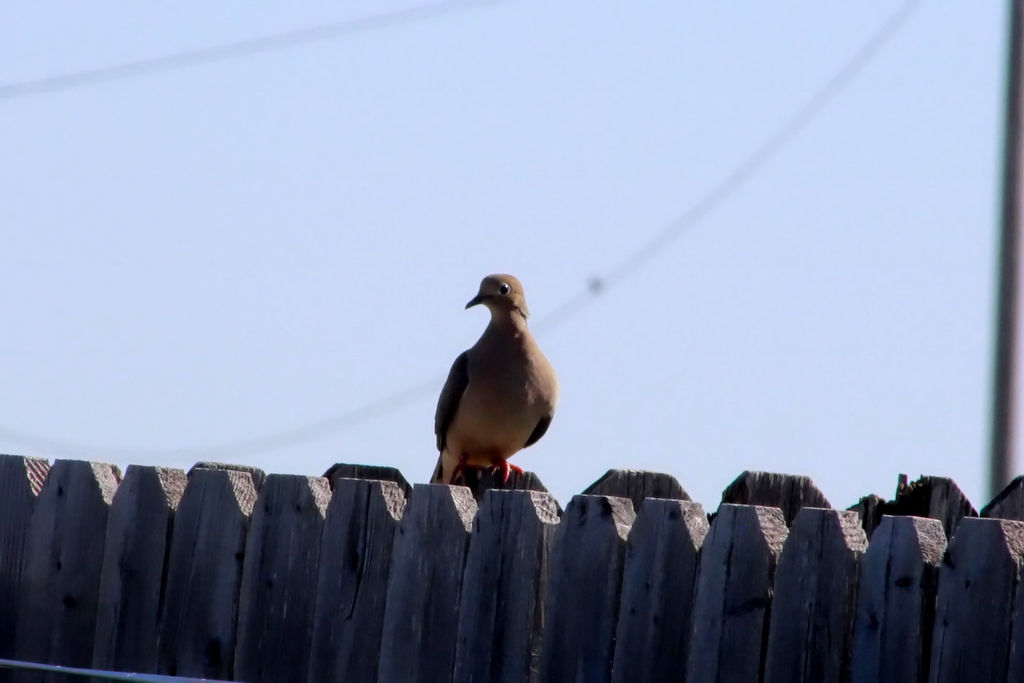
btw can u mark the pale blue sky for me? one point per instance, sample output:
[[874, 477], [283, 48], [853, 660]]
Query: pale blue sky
[[221, 252]]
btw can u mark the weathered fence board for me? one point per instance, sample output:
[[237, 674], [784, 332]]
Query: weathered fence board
[[134, 561], [479, 481], [344, 470], [418, 637], [1015, 668], [809, 638], [282, 554], [637, 485], [978, 581], [583, 590], [63, 560], [870, 508], [21, 479], [323, 580], [935, 497], [351, 589], [899, 576], [198, 627], [1009, 503], [257, 475], [788, 492], [732, 600], [653, 633], [504, 588]]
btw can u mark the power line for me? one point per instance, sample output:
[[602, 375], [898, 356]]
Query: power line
[[722, 191], [311, 431], [742, 172], [768, 149], [242, 48], [94, 674]]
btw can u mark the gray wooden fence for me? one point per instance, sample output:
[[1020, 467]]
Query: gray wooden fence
[[223, 572]]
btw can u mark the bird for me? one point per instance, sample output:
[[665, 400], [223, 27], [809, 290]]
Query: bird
[[500, 394]]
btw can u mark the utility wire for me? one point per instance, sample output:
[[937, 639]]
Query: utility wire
[[722, 191], [742, 172], [242, 48], [768, 149], [311, 431], [96, 674]]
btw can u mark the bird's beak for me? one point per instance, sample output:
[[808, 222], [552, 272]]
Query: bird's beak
[[478, 299]]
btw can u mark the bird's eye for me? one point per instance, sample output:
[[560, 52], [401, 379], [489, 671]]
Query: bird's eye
[[503, 288]]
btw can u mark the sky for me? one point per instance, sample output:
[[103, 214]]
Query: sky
[[264, 258]]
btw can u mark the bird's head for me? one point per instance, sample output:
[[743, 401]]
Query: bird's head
[[501, 294]]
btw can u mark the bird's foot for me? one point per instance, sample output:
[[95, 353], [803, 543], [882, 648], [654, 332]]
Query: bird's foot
[[506, 468]]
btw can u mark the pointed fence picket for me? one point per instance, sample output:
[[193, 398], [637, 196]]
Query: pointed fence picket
[[232, 574]]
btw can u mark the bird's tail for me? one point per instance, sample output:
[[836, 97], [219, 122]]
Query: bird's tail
[[438, 476]]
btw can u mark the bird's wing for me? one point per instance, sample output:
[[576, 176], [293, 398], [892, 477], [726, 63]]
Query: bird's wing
[[538, 431], [451, 394]]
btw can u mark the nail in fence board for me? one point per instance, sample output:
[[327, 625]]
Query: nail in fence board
[[355, 560], [809, 638], [276, 602], [899, 576], [653, 633], [63, 560], [197, 630], [134, 560], [20, 481], [979, 577], [504, 587], [425, 584], [583, 590], [637, 485], [788, 492], [733, 595]]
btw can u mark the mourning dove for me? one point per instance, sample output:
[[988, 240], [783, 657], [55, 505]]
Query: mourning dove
[[500, 394]]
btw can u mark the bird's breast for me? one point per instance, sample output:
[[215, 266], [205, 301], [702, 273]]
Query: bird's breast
[[499, 410]]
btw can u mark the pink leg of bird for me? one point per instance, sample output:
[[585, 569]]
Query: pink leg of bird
[[506, 468]]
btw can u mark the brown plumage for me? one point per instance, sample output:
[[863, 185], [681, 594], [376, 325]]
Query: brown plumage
[[500, 394]]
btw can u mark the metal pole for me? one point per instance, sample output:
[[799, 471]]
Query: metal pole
[[1003, 408]]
